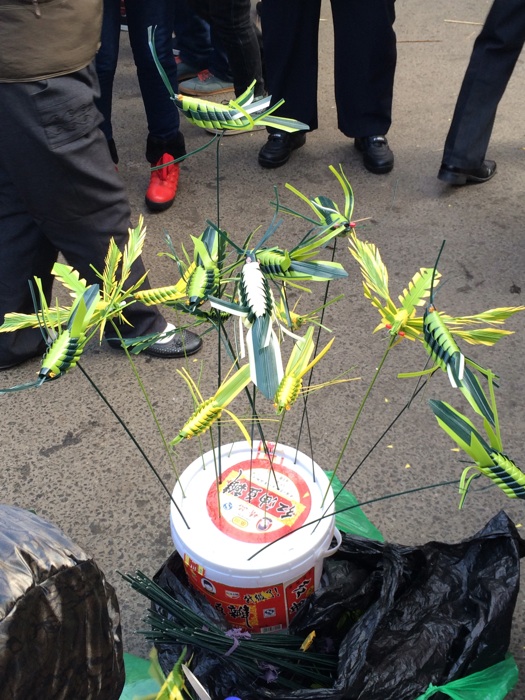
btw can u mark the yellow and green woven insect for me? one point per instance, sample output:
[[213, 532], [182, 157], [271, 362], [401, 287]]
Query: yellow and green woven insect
[[291, 385], [293, 265], [209, 411], [330, 217], [241, 114], [400, 321], [205, 277], [65, 350], [256, 308], [441, 346], [490, 460], [170, 295]]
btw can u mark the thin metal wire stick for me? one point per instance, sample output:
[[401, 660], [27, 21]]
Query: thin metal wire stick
[[134, 440]]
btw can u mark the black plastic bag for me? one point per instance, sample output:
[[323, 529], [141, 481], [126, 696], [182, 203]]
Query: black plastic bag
[[59, 618], [411, 616]]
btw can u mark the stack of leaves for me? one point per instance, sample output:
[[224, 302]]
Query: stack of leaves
[[285, 660]]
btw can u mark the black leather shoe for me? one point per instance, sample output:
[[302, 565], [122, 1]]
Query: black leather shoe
[[377, 156], [463, 176], [39, 351], [181, 344], [21, 360], [278, 149]]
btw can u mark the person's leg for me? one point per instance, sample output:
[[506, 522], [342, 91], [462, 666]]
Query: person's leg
[[26, 253], [492, 62], [71, 192], [232, 23], [290, 40], [162, 115], [364, 94], [192, 35], [364, 79], [218, 64], [106, 65], [165, 141]]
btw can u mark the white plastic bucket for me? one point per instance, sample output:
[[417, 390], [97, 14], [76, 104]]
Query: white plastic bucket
[[224, 529]]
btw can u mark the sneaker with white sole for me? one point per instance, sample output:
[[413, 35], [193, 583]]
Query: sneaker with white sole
[[205, 83]]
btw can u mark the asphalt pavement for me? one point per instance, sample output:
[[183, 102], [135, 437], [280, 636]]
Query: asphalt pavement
[[66, 456]]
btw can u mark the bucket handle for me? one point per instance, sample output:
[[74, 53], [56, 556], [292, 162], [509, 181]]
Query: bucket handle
[[338, 539]]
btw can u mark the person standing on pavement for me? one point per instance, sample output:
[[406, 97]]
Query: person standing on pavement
[[494, 56], [231, 23], [165, 141], [202, 64], [59, 190], [365, 62]]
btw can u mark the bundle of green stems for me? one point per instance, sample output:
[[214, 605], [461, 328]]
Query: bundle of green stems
[[173, 622]]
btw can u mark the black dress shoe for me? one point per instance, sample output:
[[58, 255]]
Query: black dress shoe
[[377, 156], [463, 176], [181, 344], [39, 351], [21, 360], [278, 149]]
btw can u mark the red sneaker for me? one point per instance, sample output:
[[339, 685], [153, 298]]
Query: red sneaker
[[163, 183]]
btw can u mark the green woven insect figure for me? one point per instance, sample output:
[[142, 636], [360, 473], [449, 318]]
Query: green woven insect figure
[[210, 410], [400, 321], [199, 280], [294, 320], [296, 263], [241, 114], [299, 364], [446, 354], [489, 458], [330, 217], [256, 308], [65, 350], [205, 278]]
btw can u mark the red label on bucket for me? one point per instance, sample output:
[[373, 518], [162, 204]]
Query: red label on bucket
[[258, 501], [260, 609]]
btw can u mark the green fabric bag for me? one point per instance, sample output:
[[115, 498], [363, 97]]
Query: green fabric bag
[[491, 684]]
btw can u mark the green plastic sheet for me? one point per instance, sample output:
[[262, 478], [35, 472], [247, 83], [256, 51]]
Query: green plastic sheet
[[353, 521], [491, 684], [138, 681]]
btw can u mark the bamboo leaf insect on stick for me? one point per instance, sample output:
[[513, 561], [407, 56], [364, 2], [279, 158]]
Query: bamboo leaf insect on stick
[[256, 308], [298, 365], [439, 343], [330, 217], [65, 350], [400, 321], [489, 459], [241, 114], [204, 280], [211, 410], [200, 279]]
